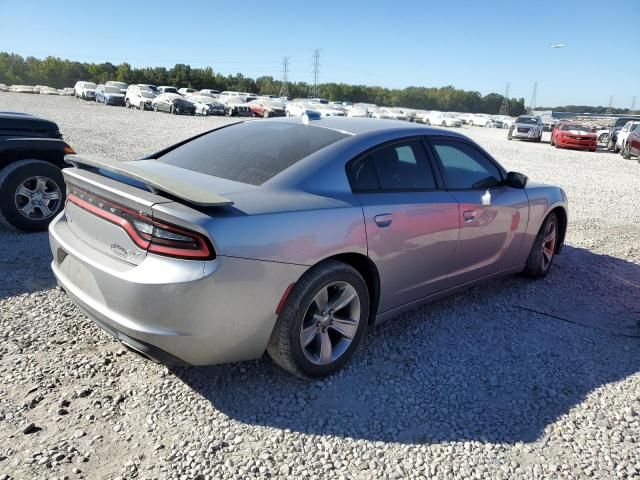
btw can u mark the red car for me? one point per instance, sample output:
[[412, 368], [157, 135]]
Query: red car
[[266, 108], [573, 135], [632, 145]]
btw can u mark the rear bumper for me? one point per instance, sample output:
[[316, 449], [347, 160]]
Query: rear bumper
[[174, 311]]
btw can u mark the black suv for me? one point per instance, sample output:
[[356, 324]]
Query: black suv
[[32, 153]]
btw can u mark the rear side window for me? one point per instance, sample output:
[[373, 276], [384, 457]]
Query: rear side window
[[464, 166], [397, 167], [251, 152]]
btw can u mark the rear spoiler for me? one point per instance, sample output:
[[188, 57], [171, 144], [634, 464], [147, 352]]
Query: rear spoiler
[[179, 182]]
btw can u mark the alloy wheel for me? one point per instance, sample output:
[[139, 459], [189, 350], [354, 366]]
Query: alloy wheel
[[330, 323], [549, 244], [38, 198]]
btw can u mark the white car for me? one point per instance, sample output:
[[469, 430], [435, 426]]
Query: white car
[[3, 88], [186, 91], [621, 140], [48, 91], [504, 121], [297, 109], [167, 89], [206, 105], [66, 92], [358, 111], [481, 120], [442, 119], [85, 90], [120, 85], [210, 92], [329, 110], [139, 96], [465, 118], [381, 112]]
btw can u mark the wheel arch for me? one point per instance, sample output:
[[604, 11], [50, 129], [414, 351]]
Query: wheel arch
[[365, 267], [55, 157], [563, 221]]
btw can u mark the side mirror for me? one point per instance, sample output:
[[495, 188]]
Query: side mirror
[[516, 180]]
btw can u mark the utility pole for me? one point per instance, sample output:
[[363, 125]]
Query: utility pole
[[532, 103], [610, 107], [313, 91], [284, 88], [504, 108]]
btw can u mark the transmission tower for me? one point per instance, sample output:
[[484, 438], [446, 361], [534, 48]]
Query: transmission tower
[[313, 91], [284, 88], [633, 104], [532, 103], [610, 107], [504, 108]]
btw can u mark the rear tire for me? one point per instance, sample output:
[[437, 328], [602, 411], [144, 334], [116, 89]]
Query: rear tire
[[127, 103], [302, 315], [626, 153], [543, 250], [29, 173]]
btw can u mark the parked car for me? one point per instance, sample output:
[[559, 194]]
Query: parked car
[[21, 89], [481, 120], [3, 88], [209, 91], [235, 106], [327, 110], [300, 108], [526, 127], [67, 92], [624, 132], [466, 118], [632, 145], [173, 103], [109, 95], [441, 119], [119, 85], [139, 96], [615, 128], [206, 105], [266, 108], [357, 110], [186, 91], [49, 91], [32, 189], [167, 89], [85, 90], [573, 135], [503, 121], [292, 237]]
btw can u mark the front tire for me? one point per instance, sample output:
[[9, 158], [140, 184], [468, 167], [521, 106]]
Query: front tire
[[544, 249], [32, 193], [127, 103], [323, 321]]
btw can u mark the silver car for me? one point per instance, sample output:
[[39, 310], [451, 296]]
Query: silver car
[[292, 236], [526, 127]]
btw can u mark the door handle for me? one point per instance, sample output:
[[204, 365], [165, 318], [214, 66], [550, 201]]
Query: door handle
[[383, 220], [469, 215]]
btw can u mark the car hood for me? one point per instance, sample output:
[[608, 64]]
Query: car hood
[[579, 132]]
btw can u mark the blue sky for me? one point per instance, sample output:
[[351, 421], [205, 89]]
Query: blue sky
[[475, 45]]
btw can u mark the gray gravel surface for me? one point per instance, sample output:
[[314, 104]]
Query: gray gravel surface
[[513, 379]]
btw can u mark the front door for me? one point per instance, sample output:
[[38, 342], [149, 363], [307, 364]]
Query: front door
[[412, 225]]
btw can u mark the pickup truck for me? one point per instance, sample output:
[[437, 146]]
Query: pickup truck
[[32, 190]]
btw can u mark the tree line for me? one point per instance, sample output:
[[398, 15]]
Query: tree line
[[59, 73]]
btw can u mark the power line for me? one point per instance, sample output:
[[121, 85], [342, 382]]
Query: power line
[[532, 103], [504, 108], [284, 88], [313, 91]]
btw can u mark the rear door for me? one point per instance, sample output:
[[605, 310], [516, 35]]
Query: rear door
[[493, 217], [411, 223]]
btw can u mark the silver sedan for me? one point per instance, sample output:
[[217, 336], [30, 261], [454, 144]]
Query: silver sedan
[[292, 236]]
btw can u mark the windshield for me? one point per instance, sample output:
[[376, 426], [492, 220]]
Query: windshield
[[251, 152], [118, 84], [527, 120], [89, 85], [110, 89]]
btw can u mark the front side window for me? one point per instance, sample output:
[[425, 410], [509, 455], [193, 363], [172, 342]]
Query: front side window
[[464, 166], [397, 167]]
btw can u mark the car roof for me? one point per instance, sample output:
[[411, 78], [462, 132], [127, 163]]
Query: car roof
[[361, 126]]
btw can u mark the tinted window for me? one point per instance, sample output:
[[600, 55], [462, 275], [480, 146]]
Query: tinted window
[[464, 166], [251, 152], [396, 167]]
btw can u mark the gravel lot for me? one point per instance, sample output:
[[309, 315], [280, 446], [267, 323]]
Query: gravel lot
[[514, 379]]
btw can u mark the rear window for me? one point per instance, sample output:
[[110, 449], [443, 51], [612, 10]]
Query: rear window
[[251, 152]]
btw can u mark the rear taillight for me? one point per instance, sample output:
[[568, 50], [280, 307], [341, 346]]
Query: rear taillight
[[151, 235]]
